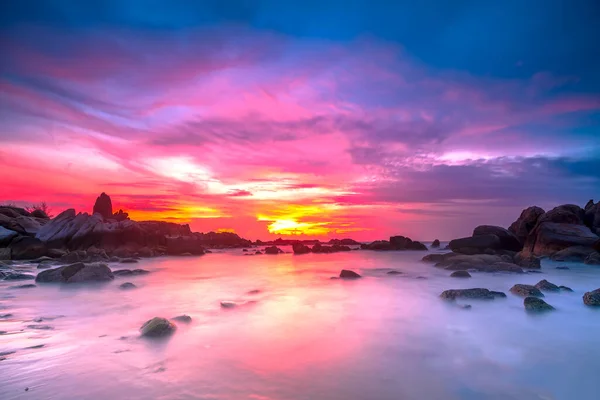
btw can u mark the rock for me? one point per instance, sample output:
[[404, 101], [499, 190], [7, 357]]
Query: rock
[[436, 258], [24, 225], [74, 256], [394, 272], [546, 286], [380, 245], [506, 267], [228, 304], [435, 244], [5, 254], [592, 298], [476, 293], [103, 206], [17, 276], [13, 212], [348, 274], [146, 252], [184, 244], [186, 319], [130, 272], [479, 262], [129, 261], [508, 240], [526, 222], [300, 248], [535, 304], [26, 286], [75, 273], [564, 214], [56, 253], [127, 286], [44, 266], [120, 216], [565, 288], [257, 252], [273, 250], [562, 267], [573, 254], [404, 243], [526, 290], [460, 274], [158, 327], [6, 235], [320, 249], [593, 259], [475, 244], [592, 216], [550, 237], [27, 248], [527, 260]]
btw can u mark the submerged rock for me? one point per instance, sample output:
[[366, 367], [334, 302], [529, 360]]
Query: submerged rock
[[348, 274], [435, 244], [127, 286], [526, 290], [75, 273], [460, 274], [565, 288], [475, 293], [186, 319], [158, 327], [394, 272], [593, 259], [592, 298], [547, 286], [535, 304], [300, 248], [129, 272], [26, 286], [273, 250]]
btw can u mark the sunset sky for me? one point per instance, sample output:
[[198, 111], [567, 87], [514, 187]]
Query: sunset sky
[[321, 119]]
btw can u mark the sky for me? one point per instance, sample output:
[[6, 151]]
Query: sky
[[302, 119]]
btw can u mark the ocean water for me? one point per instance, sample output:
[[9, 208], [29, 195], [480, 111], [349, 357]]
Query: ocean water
[[303, 336]]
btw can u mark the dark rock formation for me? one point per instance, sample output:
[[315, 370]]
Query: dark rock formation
[[573, 254], [479, 262], [75, 273], [127, 286], [348, 274], [394, 272], [377, 245], [546, 286], [508, 240], [527, 260], [404, 243], [592, 216], [158, 327], [526, 290], [344, 242], [336, 248], [17, 276], [534, 304], [475, 293], [592, 298], [103, 206], [184, 244], [435, 244], [129, 272], [475, 244], [273, 250], [548, 238], [593, 259], [26, 248], [526, 222], [565, 288], [460, 274], [186, 319], [300, 248], [120, 216], [6, 235]]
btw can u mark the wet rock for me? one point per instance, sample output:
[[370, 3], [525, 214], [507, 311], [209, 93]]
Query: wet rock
[[157, 327], [75, 273], [130, 260], [534, 304], [348, 274], [436, 258], [435, 244], [550, 237], [506, 267], [475, 244], [127, 286], [565, 288], [592, 298], [5, 254], [273, 250], [130, 272], [526, 290], [27, 248], [300, 248], [593, 259], [526, 222], [44, 265], [526, 260], [573, 254], [186, 319], [546, 286], [508, 240], [17, 276], [26, 286], [185, 244], [460, 274], [228, 304], [56, 253], [475, 293], [394, 272], [405, 243]]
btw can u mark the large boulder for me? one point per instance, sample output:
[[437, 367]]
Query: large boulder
[[478, 243], [404, 243], [550, 237], [184, 244], [526, 290], [300, 248], [6, 235], [564, 214], [103, 206], [76, 273], [273, 250], [534, 304], [508, 240], [527, 260], [435, 244], [526, 222], [349, 274], [546, 286], [592, 298], [573, 254], [377, 245], [25, 225], [592, 216], [27, 248], [157, 327]]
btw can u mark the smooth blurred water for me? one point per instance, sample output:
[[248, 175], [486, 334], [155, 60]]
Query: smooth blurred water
[[304, 336]]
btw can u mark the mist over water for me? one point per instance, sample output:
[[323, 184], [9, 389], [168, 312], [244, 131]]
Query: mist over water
[[303, 336]]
